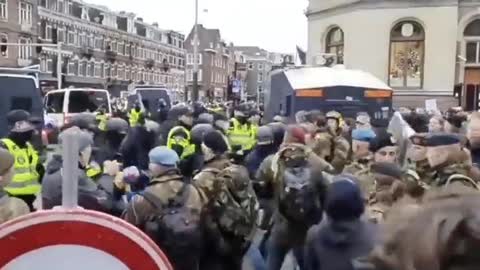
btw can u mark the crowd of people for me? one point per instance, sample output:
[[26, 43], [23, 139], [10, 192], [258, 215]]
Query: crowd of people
[[213, 186]]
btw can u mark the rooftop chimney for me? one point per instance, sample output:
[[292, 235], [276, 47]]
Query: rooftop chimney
[[140, 19], [155, 24]]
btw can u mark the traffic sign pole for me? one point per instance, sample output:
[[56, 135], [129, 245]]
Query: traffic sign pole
[[70, 150]]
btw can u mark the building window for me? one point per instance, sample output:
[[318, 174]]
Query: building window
[[108, 71], [83, 68], [121, 48], [48, 32], [25, 52], [61, 37], [250, 65], [260, 77], [407, 44], [190, 75], [4, 37], [200, 75], [472, 35], [335, 43], [91, 72], [25, 13], [82, 40], [99, 43], [49, 65], [71, 36], [91, 41], [260, 66], [102, 70], [3, 9], [61, 6], [127, 73], [71, 67], [114, 45]]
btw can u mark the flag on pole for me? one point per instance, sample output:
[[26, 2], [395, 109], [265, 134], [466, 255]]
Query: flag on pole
[[302, 56]]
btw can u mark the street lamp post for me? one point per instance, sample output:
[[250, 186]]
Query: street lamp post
[[195, 55]]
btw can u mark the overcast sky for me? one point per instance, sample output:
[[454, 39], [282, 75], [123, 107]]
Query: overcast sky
[[275, 25]]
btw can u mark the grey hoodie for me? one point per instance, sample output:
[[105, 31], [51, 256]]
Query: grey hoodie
[[89, 194]]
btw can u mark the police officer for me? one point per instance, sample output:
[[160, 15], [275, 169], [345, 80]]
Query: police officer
[[167, 185], [28, 170], [194, 162], [135, 114], [116, 130], [179, 137], [241, 133], [102, 118]]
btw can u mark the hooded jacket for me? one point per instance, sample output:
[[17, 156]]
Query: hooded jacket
[[330, 248], [90, 196], [136, 146]]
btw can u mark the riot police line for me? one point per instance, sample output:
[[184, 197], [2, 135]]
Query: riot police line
[[213, 190]]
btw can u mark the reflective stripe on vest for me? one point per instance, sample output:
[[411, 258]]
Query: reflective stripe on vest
[[172, 140], [26, 178], [243, 135]]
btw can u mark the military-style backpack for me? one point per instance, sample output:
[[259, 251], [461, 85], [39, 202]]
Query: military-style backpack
[[174, 226], [235, 207]]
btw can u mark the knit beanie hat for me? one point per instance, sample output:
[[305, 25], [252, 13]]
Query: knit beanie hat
[[6, 161], [344, 200], [215, 141]]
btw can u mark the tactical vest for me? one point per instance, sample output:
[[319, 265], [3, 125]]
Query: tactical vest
[[242, 135], [26, 178], [188, 147]]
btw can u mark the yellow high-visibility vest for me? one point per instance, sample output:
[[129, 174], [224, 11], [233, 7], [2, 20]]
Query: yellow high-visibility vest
[[134, 117], [26, 178], [102, 121], [188, 147], [242, 135]]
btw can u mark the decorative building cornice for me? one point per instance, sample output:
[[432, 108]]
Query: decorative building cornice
[[71, 21], [376, 4]]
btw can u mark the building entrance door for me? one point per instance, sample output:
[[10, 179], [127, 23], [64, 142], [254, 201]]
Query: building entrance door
[[472, 83]]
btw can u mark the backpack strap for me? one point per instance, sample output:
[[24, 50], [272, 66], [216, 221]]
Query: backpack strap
[[179, 198], [461, 177]]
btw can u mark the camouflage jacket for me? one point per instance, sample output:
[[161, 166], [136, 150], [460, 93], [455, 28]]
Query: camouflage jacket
[[361, 170], [457, 172], [318, 164], [165, 187], [206, 179], [335, 149]]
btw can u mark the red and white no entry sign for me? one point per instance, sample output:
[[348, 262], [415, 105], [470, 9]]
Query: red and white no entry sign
[[74, 240]]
